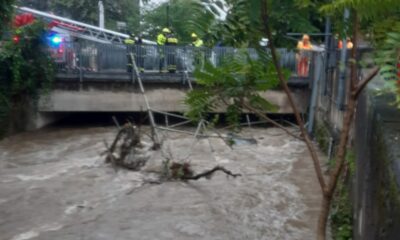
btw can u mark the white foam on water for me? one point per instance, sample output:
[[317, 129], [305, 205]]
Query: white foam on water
[[33, 233], [26, 235]]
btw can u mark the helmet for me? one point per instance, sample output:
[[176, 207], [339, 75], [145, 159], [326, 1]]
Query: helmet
[[306, 37], [194, 35], [166, 30]]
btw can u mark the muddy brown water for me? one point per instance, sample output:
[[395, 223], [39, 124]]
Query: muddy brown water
[[55, 185]]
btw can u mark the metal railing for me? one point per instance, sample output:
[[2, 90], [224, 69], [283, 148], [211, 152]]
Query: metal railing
[[98, 58]]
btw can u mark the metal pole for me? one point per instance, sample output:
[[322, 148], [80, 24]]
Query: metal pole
[[317, 62], [156, 138], [342, 67], [101, 14], [168, 23], [328, 50]]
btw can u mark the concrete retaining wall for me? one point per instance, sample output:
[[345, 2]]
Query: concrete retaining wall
[[97, 98], [377, 180]]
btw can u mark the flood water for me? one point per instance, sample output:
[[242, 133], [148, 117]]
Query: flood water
[[55, 185]]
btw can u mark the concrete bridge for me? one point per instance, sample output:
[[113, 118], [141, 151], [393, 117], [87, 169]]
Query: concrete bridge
[[93, 77]]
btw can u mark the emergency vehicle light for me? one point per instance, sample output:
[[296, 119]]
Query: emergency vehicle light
[[54, 39]]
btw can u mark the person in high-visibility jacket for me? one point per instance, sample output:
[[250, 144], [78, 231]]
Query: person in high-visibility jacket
[[133, 45], [349, 44], [198, 53], [161, 41], [304, 46], [171, 42], [196, 41], [129, 42]]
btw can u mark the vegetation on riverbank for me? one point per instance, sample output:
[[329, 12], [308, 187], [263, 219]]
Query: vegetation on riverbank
[[25, 72]]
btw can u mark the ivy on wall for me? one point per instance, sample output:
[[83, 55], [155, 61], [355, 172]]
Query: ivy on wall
[[25, 71]]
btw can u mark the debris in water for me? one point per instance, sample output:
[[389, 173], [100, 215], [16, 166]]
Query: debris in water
[[234, 139], [129, 152]]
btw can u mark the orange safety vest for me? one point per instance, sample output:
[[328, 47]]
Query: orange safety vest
[[302, 46]]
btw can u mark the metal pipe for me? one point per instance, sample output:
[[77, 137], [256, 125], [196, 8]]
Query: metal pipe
[[168, 23], [156, 138], [342, 67], [101, 14], [328, 37], [180, 124], [170, 114], [318, 63]]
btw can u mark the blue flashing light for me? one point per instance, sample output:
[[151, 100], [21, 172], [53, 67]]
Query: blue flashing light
[[54, 39]]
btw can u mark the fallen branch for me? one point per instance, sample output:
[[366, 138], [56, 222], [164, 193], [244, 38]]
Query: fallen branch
[[183, 171], [209, 173]]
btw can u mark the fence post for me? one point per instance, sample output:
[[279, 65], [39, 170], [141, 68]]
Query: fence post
[[79, 47]]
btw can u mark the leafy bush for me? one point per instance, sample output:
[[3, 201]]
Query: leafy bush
[[389, 58], [234, 84], [25, 69]]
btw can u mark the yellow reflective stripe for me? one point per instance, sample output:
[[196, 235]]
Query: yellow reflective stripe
[[129, 41], [198, 43], [172, 40]]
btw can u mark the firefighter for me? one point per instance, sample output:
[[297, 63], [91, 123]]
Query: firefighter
[[196, 41], [171, 42], [198, 53], [304, 46], [140, 53], [129, 42], [161, 41], [349, 43], [134, 45]]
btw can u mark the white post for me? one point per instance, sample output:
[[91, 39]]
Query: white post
[[101, 14]]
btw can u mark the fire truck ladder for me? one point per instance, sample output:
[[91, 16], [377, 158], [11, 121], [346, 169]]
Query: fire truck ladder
[[79, 29]]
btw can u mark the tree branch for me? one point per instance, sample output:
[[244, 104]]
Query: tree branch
[[360, 86], [314, 156], [208, 174]]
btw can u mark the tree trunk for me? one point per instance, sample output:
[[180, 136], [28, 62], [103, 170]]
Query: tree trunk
[[344, 137], [299, 120], [323, 217]]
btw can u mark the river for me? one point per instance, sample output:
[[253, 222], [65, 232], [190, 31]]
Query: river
[[55, 185]]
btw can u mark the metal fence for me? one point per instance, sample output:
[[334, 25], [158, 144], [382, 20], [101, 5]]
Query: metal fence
[[107, 58]]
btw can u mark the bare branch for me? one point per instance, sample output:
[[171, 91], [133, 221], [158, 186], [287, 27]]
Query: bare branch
[[357, 91]]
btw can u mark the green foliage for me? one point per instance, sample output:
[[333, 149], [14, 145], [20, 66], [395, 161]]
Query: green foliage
[[242, 26], [25, 69], [351, 161], [342, 209], [367, 9], [342, 214], [236, 82], [6, 12], [186, 16], [388, 57]]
